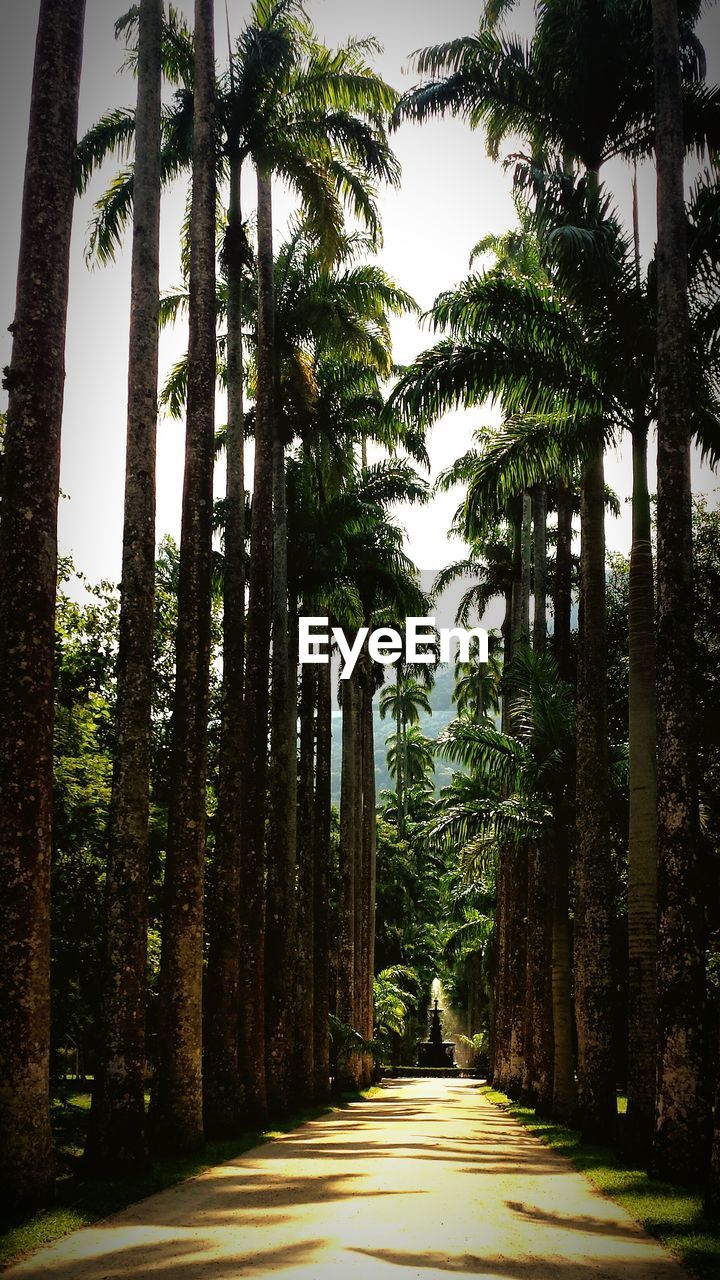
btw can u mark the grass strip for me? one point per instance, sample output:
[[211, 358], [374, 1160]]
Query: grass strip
[[674, 1215]]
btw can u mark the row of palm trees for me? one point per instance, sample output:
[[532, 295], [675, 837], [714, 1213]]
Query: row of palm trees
[[562, 332], [307, 334], [250, 958]]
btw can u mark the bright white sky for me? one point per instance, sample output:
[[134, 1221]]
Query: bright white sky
[[451, 195]]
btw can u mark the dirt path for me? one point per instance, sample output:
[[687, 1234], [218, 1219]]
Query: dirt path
[[426, 1180]]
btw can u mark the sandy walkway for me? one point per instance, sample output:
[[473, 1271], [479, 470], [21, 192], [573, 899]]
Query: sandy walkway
[[427, 1180]]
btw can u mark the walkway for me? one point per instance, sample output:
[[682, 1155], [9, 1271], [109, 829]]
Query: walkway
[[425, 1181]]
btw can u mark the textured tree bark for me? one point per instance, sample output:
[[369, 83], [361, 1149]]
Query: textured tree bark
[[642, 862], [281, 835], [222, 1089], [321, 890], [540, 568], [306, 839], [515, 521], [362, 871], [526, 567], [517, 904], [257, 677], [562, 602], [400, 761], [506, 631], [349, 836], [712, 1191], [593, 966], [369, 841], [538, 1064], [117, 1134], [28, 572], [501, 1021], [564, 1093], [682, 1105], [177, 1110]]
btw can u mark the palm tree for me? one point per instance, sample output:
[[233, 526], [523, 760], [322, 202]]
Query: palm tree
[[320, 126], [403, 702], [118, 1117], [682, 1114], [493, 79], [28, 570], [415, 752], [477, 685], [177, 1111], [524, 798], [321, 886]]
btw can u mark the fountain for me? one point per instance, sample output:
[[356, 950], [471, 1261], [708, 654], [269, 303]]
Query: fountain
[[436, 1053]]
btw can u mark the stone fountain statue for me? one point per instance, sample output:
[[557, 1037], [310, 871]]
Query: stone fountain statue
[[436, 1052]]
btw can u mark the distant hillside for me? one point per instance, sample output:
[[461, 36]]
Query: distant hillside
[[443, 708], [443, 711]]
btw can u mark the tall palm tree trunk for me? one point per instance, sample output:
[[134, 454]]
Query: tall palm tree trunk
[[305, 937], [593, 965], [399, 752], [515, 521], [562, 598], [538, 1062], [563, 1089], [526, 567], [349, 838], [517, 904], [501, 1031], [257, 677], [682, 1109], [117, 1134], [281, 836], [321, 888], [539, 567], [712, 1190], [221, 996], [642, 862], [28, 572], [177, 1112], [369, 843]]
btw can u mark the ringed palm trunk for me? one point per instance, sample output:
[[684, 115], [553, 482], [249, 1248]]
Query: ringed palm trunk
[[399, 753], [562, 601], [642, 863], [526, 566], [515, 520], [682, 1104], [281, 836], [538, 1063], [177, 1110], [305, 941], [321, 888], [517, 902], [349, 836], [593, 968], [500, 1025], [28, 572], [361, 874], [712, 1191], [564, 1092], [221, 1079], [540, 567], [369, 843], [506, 631], [117, 1133], [257, 676]]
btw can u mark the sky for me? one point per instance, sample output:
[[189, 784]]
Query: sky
[[451, 195]]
